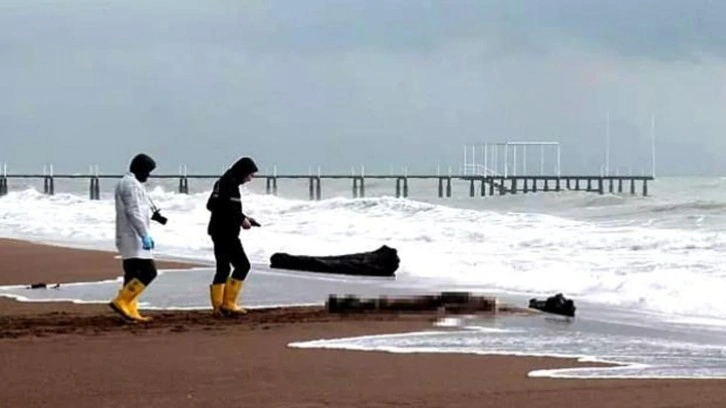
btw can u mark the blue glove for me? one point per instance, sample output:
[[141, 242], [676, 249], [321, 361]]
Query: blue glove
[[147, 242]]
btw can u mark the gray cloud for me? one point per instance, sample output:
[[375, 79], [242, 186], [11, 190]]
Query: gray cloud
[[302, 84]]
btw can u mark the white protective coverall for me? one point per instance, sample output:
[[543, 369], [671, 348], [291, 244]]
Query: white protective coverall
[[133, 218]]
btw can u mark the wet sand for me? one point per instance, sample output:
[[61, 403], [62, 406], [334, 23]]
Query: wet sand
[[66, 355]]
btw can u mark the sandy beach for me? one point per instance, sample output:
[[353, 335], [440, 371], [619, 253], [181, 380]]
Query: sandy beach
[[67, 355]]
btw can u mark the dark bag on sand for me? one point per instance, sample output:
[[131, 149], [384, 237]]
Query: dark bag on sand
[[556, 304], [381, 262]]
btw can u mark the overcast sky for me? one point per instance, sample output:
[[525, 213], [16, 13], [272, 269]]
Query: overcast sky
[[376, 83]]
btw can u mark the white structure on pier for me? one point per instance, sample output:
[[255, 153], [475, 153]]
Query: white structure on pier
[[510, 159]]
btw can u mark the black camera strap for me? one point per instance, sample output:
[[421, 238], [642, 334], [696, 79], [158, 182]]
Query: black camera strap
[[154, 208]]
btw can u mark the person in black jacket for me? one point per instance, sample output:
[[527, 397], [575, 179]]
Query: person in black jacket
[[225, 223]]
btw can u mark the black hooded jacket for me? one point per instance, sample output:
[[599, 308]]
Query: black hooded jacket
[[225, 202]]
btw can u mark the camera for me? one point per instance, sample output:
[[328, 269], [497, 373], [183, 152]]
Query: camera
[[156, 216]]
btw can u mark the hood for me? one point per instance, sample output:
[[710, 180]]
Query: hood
[[241, 169], [142, 165]]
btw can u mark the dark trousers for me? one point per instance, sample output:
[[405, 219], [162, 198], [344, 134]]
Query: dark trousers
[[142, 269], [228, 250]]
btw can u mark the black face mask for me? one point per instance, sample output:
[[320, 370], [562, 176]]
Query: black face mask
[[142, 177], [142, 166]]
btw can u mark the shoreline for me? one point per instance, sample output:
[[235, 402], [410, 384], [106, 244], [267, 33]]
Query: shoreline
[[188, 358]]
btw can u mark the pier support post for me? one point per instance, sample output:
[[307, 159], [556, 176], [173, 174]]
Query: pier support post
[[48, 185], [441, 187], [183, 180], [362, 193], [514, 186], [98, 188], [472, 188], [589, 184], [398, 187], [4, 181], [502, 187], [546, 184], [558, 185], [645, 188], [184, 185], [620, 185], [601, 185], [491, 185], [632, 186], [611, 188], [568, 184], [525, 187], [312, 188], [535, 185], [577, 184], [92, 188], [483, 188], [268, 185], [405, 187], [317, 188], [448, 187], [48, 182], [355, 187], [274, 185]]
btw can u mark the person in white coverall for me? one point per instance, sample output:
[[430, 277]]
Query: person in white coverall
[[133, 239]]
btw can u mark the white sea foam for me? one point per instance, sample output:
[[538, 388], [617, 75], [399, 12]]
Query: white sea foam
[[669, 270]]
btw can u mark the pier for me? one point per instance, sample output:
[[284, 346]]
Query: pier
[[479, 186], [489, 169]]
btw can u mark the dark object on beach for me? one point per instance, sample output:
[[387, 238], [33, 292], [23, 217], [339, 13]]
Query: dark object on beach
[[448, 302], [381, 262], [556, 304], [43, 286]]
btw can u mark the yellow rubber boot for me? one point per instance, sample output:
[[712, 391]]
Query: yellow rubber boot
[[216, 295], [134, 309], [232, 289], [122, 304]]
